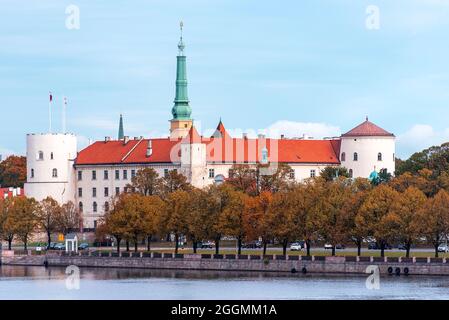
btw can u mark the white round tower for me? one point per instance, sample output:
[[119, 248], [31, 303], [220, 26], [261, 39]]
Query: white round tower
[[366, 148], [50, 172]]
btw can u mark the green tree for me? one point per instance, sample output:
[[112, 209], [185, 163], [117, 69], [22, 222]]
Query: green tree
[[147, 182], [23, 219], [174, 181], [331, 173]]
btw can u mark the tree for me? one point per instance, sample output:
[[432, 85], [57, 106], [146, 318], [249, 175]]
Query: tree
[[233, 216], [275, 181], [422, 180], [23, 219], [175, 215], [256, 218], [13, 172], [147, 182], [7, 227], [243, 178], [48, 217], [152, 207], [373, 215], [328, 211], [434, 219], [174, 181], [331, 173], [404, 213], [200, 222], [69, 219]]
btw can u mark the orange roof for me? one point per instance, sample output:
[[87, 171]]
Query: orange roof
[[228, 150], [367, 129]]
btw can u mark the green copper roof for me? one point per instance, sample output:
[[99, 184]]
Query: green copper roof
[[181, 110], [121, 132]]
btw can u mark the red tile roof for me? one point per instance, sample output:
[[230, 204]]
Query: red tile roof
[[10, 192], [367, 129]]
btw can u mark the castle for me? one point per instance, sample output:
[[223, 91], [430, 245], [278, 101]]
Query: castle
[[92, 177]]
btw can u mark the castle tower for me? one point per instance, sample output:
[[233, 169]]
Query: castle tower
[[181, 111], [367, 148], [50, 159], [193, 158]]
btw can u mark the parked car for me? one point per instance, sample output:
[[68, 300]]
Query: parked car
[[52, 245], [83, 246], [296, 246], [443, 248], [59, 246], [402, 246], [205, 244], [376, 246], [252, 245], [338, 246]]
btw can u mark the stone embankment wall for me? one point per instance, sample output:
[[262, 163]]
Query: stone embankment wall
[[314, 264]]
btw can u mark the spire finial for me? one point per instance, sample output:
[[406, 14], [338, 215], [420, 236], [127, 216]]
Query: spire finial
[[181, 45], [366, 118], [121, 131]]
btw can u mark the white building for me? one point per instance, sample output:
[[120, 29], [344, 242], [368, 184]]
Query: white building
[[97, 173]]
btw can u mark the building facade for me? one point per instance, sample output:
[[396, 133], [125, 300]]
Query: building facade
[[92, 177]]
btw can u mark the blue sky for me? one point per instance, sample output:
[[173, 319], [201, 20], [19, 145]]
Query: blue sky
[[307, 66]]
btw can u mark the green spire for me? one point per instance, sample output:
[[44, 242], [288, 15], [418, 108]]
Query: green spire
[[121, 132], [181, 110]]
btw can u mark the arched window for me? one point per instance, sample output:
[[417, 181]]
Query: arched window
[[80, 205], [343, 156], [54, 173], [351, 173], [379, 156], [32, 173], [95, 207], [356, 156], [40, 156], [106, 206], [51, 156]]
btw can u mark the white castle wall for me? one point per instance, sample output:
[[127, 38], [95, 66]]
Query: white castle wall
[[58, 152], [367, 149]]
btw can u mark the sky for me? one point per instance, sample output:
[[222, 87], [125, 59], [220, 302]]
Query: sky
[[315, 67]]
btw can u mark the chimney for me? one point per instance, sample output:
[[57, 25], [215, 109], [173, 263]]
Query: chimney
[[282, 137], [107, 139], [245, 135], [149, 149], [125, 139], [261, 136]]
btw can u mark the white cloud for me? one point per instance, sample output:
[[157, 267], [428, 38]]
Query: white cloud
[[419, 137], [316, 130]]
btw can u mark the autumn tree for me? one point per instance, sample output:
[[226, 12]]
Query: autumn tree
[[373, 216], [48, 217], [152, 208], [23, 220], [147, 182], [255, 221], [243, 178], [175, 215], [274, 177], [231, 221], [174, 181], [13, 172], [69, 219], [434, 219], [200, 222], [404, 211]]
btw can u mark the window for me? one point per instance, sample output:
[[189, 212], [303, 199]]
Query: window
[[133, 173], [351, 174], [125, 174], [106, 192], [312, 173], [54, 173], [94, 175], [117, 175], [379, 156], [51, 156], [94, 192], [291, 174], [356, 156], [211, 173], [166, 173], [117, 191], [80, 175], [80, 192], [106, 206], [80, 206], [106, 175], [40, 156], [343, 156], [32, 173], [95, 207]]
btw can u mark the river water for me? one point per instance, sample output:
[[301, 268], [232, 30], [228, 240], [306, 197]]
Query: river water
[[18, 282]]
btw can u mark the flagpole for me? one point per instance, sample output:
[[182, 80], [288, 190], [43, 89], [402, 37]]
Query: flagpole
[[63, 115], [49, 112]]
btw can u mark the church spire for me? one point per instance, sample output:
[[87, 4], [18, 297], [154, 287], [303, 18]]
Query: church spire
[[121, 132], [181, 110]]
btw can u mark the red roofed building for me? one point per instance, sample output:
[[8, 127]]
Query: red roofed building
[[10, 192], [104, 169]]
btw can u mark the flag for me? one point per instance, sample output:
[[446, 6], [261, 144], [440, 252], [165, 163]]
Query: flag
[[51, 97]]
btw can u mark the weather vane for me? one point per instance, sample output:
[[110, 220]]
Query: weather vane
[[181, 45]]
